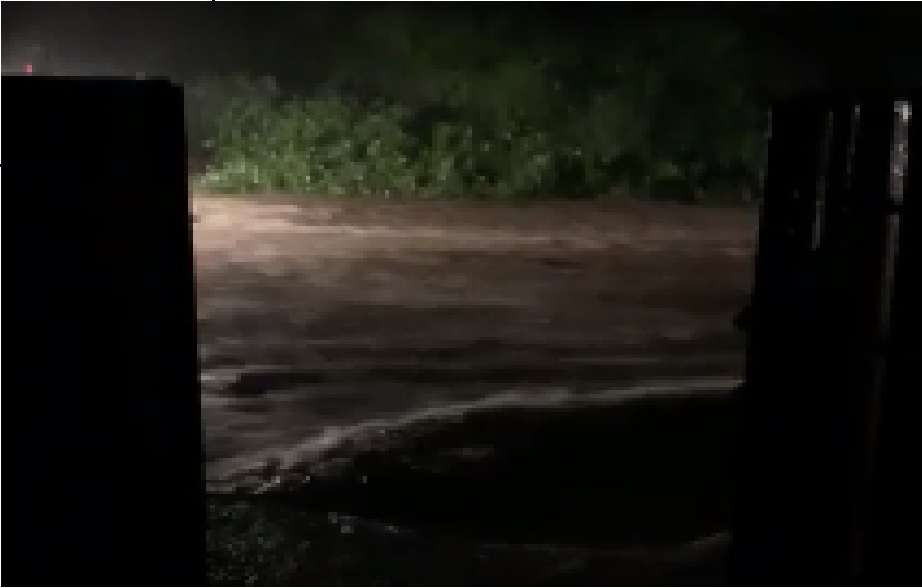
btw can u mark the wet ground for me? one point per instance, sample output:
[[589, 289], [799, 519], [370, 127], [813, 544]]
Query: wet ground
[[548, 378]]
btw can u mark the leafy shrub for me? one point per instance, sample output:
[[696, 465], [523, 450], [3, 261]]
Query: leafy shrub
[[208, 98], [320, 145], [666, 112]]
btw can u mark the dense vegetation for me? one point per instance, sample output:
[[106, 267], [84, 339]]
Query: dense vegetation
[[495, 108]]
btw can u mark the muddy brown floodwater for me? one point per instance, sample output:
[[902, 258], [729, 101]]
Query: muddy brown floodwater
[[445, 345]]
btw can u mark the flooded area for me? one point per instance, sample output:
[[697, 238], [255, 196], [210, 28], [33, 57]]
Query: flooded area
[[534, 376], [323, 316]]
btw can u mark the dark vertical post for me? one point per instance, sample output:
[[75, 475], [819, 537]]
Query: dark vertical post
[[777, 413], [101, 420], [823, 408], [891, 539], [860, 348]]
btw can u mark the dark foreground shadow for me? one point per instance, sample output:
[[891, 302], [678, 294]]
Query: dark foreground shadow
[[606, 494]]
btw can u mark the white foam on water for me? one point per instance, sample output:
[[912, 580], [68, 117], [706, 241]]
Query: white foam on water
[[310, 449]]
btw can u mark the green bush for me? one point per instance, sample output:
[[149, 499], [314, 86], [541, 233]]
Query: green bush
[[321, 145], [333, 146], [664, 112]]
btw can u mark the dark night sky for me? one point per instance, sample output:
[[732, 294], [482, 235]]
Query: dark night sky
[[865, 40]]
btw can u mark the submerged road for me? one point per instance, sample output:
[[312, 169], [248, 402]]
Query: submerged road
[[326, 324]]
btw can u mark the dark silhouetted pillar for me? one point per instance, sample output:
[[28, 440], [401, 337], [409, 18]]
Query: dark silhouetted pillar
[[102, 474]]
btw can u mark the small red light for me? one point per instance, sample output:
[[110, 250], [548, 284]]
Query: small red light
[[27, 68]]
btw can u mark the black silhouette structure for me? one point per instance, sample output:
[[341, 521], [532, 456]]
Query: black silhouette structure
[[827, 433], [101, 416]]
